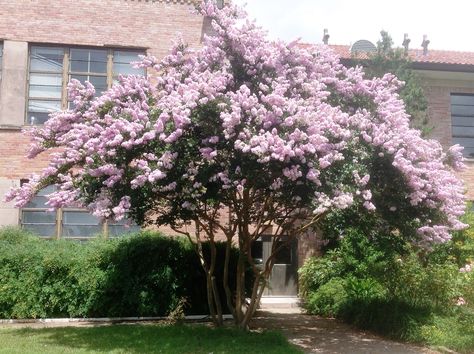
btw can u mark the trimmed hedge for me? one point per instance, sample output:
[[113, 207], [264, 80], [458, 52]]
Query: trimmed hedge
[[140, 275]]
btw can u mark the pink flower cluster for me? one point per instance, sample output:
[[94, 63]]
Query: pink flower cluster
[[272, 104]]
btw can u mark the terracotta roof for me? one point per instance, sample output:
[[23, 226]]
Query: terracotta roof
[[434, 56]]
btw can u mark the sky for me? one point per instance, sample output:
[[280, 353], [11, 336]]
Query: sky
[[448, 25]]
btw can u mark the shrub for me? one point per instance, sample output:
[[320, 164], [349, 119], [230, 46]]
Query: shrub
[[328, 299], [140, 275]]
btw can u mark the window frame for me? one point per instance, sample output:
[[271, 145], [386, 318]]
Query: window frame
[[67, 73]]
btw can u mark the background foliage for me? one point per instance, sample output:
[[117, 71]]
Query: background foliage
[[140, 275]]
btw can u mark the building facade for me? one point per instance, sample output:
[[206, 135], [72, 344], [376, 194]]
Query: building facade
[[44, 43]]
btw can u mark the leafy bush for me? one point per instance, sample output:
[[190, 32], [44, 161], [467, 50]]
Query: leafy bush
[[140, 275], [329, 298]]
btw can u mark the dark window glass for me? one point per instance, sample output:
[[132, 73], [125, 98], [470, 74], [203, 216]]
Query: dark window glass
[[88, 60], [462, 118], [283, 256], [257, 251]]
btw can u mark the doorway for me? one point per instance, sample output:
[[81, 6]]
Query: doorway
[[283, 280]]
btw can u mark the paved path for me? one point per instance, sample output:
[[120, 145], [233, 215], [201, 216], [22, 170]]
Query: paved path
[[314, 334]]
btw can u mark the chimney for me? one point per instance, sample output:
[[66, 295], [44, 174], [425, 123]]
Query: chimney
[[406, 42], [424, 44], [326, 36]]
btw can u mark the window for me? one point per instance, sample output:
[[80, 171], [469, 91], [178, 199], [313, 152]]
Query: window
[[36, 217], [283, 255], [462, 116], [52, 67], [257, 251], [70, 223]]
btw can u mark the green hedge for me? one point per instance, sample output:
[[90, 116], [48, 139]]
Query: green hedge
[[140, 275]]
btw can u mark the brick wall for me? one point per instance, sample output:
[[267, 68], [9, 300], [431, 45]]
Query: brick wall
[[143, 24], [13, 161]]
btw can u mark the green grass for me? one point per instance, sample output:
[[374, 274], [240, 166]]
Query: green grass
[[132, 339]]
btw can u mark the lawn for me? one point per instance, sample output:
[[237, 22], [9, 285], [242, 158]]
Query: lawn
[[141, 339]]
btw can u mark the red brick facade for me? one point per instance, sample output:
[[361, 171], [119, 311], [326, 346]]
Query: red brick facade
[[112, 23]]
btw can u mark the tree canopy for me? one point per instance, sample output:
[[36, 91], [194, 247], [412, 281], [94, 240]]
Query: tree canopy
[[270, 132]]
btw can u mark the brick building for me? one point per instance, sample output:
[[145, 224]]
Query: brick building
[[447, 78], [44, 43]]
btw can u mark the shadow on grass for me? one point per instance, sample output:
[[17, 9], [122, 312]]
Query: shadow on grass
[[142, 339]]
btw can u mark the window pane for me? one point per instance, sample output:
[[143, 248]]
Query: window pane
[[42, 230], [98, 67], [463, 131], [257, 251], [46, 59], [458, 110], [127, 69], [466, 142], [37, 202], [284, 255], [122, 60], [35, 118], [463, 121], [125, 56], [79, 66], [99, 82], [39, 217], [44, 106], [88, 60], [46, 79], [462, 99], [80, 218], [120, 230], [81, 230], [40, 91]]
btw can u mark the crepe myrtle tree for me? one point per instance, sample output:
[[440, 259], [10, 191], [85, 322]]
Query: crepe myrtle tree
[[242, 134]]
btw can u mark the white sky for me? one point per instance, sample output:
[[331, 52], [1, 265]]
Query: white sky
[[448, 24]]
